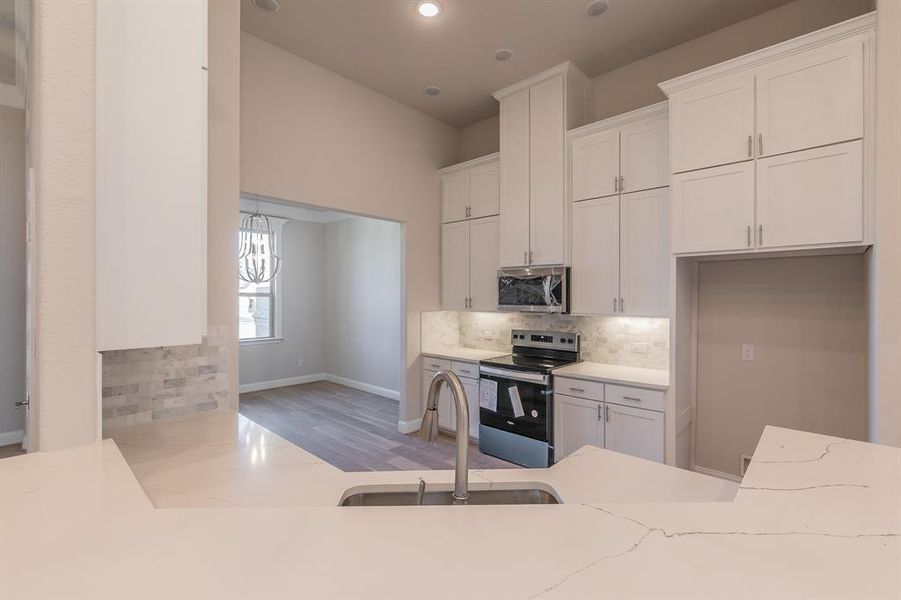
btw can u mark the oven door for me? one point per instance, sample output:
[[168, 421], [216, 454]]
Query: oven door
[[539, 289], [535, 395]]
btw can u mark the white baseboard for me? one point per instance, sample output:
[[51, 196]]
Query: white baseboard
[[357, 385], [719, 474], [409, 426], [276, 383], [365, 387], [11, 437]]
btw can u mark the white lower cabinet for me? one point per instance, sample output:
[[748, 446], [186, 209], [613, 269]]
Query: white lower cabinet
[[582, 417], [447, 412], [577, 422], [471, 387], [634, 431]]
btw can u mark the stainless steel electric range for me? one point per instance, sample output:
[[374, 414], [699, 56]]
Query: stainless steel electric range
[[516, 397]]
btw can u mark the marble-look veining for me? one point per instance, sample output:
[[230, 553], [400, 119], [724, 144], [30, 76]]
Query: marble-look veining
[[790, 532]]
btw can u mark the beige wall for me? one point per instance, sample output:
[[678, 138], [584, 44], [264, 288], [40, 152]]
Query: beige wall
[[12, 271], [480, 138], [61, 151], [311, 136], [224, 178], [886, 410], [807, 319]]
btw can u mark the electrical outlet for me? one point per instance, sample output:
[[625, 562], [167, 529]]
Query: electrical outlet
[[299, 362], [639, 347], [747, 351]]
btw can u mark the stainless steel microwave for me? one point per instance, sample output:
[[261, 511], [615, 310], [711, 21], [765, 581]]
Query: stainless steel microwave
[[533, 289]]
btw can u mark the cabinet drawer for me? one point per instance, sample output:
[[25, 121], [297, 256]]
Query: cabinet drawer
[[592, 390], [627, 396], [435, 364], [465, 369]]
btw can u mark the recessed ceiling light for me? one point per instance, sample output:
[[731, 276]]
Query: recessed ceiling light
[[267, 5], [596, 7], [432, 90], [503, 55], [428, 9]]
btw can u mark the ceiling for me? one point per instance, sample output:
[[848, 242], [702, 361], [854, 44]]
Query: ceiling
[[386, 46]]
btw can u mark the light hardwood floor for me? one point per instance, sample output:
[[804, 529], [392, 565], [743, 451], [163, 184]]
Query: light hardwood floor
[[352, 430]]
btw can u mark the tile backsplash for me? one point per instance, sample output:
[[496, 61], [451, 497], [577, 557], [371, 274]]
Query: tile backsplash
[[628, 341], [147, 384]]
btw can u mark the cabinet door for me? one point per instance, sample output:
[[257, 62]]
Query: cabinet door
[[644, 253], [644, 155], [546, 149], [484, 188], [813, 99], [454, 197], [454, 265], [713, 209], [483, 251], [514, 176], [595, 256], [595, 165], [577, 422], [471, 387], [811, 197], [712, 124], [634, 431]]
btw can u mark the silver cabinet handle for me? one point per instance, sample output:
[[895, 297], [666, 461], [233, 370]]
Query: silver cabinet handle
[[749, 236], [434, 366], [599, 412], [530, 257], [632, 398], [606, 412], [759, 144], [614, 304], [750, 146], [622, 183], [525, 254], [615, 184], [572, 389], [622, 305], [760, 235]]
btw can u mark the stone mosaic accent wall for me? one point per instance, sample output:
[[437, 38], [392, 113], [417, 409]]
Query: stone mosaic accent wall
[[628, 341], [146, 384]]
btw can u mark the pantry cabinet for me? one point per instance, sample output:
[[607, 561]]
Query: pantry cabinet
[[151, 199], [534, 117], [470, 190], [770, 150], [619, 243], [619, 418], [469, 265]]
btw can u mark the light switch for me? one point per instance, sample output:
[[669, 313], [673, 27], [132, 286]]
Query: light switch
[[747, 351]]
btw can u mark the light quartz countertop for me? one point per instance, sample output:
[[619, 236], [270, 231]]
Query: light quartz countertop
[[229, 510], [464, 354], [647, 378]]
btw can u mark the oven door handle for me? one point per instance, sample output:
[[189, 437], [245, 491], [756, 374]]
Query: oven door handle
[[514, 375]]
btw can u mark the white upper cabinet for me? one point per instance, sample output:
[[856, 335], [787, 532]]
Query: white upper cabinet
[[595, 165], [485, 191], [534, 116], [644, 155], [712, 124], [595, 256], [619, 243], [514, 175], [644, 253], [483, 249], [470, 190], [455, 265], [804, 111], [454, 197], [713, 209], [810, 197], [813, 99], [151, 173]]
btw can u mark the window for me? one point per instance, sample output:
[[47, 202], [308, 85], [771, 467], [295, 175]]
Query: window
[[258, 303]]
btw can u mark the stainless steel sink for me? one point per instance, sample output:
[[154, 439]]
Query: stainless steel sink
[[476, 497]]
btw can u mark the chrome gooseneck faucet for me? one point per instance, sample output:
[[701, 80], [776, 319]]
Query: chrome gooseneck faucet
[[429, 429]]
